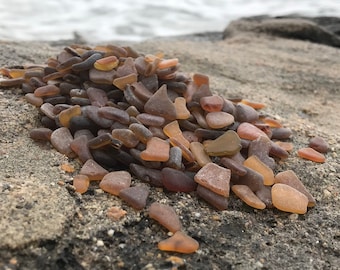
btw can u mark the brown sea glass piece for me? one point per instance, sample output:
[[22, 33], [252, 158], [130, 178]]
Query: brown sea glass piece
[[135, 196], [215, 178], [98, 97], [107, 63], [34, 100], [61, 139], [47, 91], [126, 136], [141, 132], [218, 201], [212, 103], [260, 147], [80, 147], [319, 144], [122, 82], [116, 181], [41, 134], [245, 113], [218, 120], [160, 104], [235, 166], [166, 216], [177, 181], [175, 158], [252, 179], [147, 175], [115, 114], [93, 170]]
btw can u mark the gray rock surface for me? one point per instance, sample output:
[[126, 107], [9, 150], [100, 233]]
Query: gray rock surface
[[45, 225], [323, 30]]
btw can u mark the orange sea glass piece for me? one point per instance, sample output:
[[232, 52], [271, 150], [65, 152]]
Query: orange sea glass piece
[[248, 131], [255, 105], [106, 63], [81, 183], [311, 154], [172, 130], [200, 79], [156, 150], [167, 63], [287, 146], [179, 242], [181, 109], [253, 162], [65, 116], [291, 179], [248, 196], [271, 122], [122, 82], [212, 103], [288, 199]]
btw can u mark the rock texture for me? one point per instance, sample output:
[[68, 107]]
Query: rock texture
[[45, 225]]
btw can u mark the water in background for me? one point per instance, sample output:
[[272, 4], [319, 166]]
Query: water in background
[[108, 20]]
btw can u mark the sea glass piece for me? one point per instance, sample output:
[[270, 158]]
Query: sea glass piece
[[288, 199], [215, 178], [116, 181], [227, 144], [248, 196], [177, 181], [179, 242], [156, 150], [291, 179], [257, 165], [218, 120], [160, 104], [166, 216]]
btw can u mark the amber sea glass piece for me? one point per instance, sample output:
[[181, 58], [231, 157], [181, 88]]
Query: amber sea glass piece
[[311, 154], [179, 242], [291, 179], [257, 165], [288, 199], [248, 196], [156, 150]]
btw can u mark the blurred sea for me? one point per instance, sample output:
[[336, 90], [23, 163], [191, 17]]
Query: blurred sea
[[135, 20]]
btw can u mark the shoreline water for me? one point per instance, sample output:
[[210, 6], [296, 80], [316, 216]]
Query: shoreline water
[[100, 20]]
